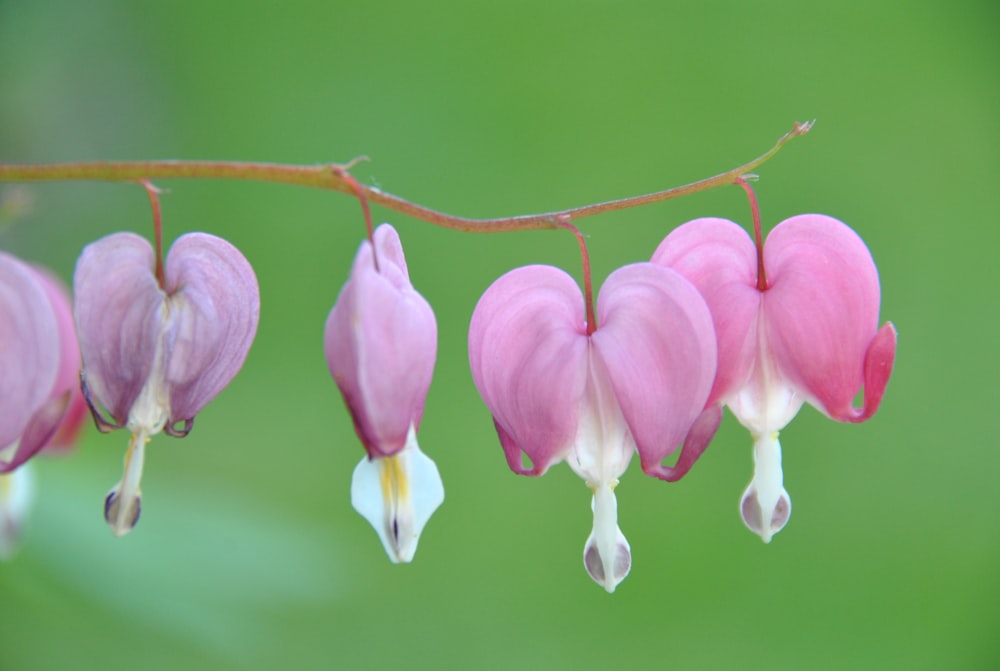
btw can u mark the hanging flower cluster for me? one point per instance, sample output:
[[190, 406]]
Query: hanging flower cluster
[[715, 319], [702, 326]]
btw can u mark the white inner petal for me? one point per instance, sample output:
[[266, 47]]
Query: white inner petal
[[151, 408], [603, 445], [767, 402], [600, 454], [398, 495]]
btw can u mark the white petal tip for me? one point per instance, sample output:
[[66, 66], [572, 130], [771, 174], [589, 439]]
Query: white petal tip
[[754, 512], [122, 516], [606, 555], [398, 495], [607, 571]]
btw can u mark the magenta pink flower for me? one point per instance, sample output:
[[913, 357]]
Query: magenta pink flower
[[639, 382], [39, 357], [154, 356], [810, 334], [381, 344]]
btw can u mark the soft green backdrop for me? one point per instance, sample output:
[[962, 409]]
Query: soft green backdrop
[[249, 555]]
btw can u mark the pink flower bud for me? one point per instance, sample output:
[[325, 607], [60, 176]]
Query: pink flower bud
[[381, 343]]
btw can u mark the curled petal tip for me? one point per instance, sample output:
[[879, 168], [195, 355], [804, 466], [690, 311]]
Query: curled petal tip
[[879, 360], [697, 440]]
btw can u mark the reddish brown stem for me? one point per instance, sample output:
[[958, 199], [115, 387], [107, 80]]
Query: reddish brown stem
[[342, 172], [758, 236], [588, 286], [154, 201], [324, 178]]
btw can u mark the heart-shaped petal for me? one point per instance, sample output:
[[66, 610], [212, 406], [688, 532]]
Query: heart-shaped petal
[[821, 308], [118, 308], [196, 334], [527, 349], [656, 339], [212, 314], [718, 257]]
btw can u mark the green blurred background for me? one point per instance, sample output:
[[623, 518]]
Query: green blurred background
[[249, 555]]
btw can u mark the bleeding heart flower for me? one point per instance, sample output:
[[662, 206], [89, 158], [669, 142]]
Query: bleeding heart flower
[[806, 330], [154, 356], [558, 390], [40, 360], [381, 344]]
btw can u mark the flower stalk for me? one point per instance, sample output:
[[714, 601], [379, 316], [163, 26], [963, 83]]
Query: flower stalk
[[335, 178]]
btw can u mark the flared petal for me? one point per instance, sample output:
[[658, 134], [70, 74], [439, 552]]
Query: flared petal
[[821, 310], [658, 346], [118, 308], [380, 343], [211, 319], [718, 257], [398, 494], [527, 351], [29, 357]]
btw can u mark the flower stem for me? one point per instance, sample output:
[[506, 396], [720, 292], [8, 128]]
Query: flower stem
[[154, 202], [332, 177], [342, 172], [588, 285], [758, 236]]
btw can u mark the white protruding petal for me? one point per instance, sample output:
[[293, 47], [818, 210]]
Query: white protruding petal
[[398, 495], [17, 493], [123, 504], [765, 505], [606, 555]]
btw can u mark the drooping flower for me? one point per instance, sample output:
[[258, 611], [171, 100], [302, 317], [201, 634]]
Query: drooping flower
[[39, 388], [154, 356], [380, 343], [801, 328], [639, 382], [40, 360]]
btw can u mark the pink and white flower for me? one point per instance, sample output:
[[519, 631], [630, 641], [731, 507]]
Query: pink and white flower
[[560, 391], [805, 330], [381, 344], [154, 356]]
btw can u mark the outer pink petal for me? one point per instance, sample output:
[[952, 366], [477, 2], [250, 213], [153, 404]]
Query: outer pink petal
[[53, 421], [527, 351], [214, 308], [657, 342], [381, 345], [719, 258], [29, 353], [118, 308], [821, 310]]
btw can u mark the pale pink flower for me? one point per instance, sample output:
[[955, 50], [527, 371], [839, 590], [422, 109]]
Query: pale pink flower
[[154, 356], [381, 343]]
